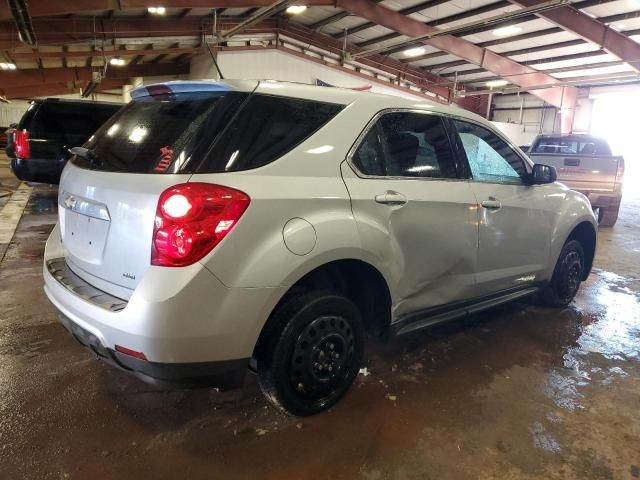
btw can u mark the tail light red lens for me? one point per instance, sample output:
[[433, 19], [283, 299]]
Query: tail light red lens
[[191, 219], [132, 353], [21, 144]]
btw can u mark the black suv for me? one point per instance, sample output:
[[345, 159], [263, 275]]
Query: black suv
[[38, 147]]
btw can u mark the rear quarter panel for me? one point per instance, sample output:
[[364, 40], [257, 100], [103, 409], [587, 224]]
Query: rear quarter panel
[[304, 183]]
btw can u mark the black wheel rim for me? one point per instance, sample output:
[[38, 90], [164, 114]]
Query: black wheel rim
[[571, 276], [322, 359]]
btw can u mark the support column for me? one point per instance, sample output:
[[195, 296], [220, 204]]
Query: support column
[[568, 109]]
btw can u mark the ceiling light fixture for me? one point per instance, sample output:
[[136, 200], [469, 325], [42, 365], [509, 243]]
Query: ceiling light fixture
[[496, 83], [414, 52], [117, 61], [7, 66], [157, 10], [296, 9], [507, 31]]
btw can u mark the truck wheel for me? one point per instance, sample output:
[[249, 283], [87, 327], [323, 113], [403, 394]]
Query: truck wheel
[[567, 276], [313, 353], [608, 216]]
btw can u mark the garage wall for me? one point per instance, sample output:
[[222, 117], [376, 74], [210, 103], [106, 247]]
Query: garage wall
[[539, 118], [12, 112], [525, 110], [277, 65]]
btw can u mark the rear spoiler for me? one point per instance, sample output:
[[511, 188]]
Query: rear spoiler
[[170, 88]]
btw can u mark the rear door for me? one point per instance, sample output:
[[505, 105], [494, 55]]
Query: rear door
[[415, 215], [108, 196], [514, 220], [582, 163]]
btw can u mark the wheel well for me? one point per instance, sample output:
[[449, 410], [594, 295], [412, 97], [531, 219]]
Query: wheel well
[[361, 283], [586, 235]]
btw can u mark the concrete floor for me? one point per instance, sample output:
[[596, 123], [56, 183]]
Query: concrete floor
[[518, 392]]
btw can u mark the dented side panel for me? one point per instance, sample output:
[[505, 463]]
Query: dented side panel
[[427, 247]]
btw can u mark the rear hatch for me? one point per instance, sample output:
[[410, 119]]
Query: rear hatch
[[109, 191], [583, 164]]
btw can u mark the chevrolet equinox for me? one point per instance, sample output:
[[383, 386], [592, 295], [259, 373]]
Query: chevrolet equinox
[[212, 226]]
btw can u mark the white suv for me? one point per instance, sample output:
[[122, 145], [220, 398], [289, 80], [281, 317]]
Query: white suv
[[210, 225]]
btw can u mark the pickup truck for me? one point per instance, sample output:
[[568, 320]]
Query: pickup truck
[[584, 163]]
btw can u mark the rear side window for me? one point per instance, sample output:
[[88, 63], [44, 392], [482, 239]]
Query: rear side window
[[160, 134], [264, 130], [406, 144]]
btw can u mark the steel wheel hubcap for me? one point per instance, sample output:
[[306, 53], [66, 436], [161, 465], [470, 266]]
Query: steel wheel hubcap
[[573, 269], [321, 357]]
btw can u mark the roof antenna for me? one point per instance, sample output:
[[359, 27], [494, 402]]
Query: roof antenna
[[213, 58], [204, 39]]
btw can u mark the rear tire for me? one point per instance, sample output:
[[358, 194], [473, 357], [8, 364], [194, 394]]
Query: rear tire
[[312, 354], [567, 276], [607, 217]]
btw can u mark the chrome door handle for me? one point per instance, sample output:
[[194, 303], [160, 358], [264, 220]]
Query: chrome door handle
[[391, 198], [491, 204]]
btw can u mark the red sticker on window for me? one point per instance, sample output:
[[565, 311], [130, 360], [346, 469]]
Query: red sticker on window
[[165, 160]]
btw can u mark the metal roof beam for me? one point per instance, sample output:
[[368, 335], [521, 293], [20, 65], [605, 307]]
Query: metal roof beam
[[572, 68], [538, 61], [594, 31], [521, 75], [459, 30], [35, 76], [477, 11], [444, 20], [405, 11], [48, 8]]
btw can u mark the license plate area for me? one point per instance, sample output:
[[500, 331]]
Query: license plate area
[[85, 237]]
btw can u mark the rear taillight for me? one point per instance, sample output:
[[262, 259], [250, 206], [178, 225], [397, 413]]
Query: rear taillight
[[21, 144], [620, 170], [191, 219]]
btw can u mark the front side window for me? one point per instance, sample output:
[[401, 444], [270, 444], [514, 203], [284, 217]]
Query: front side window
[[406, 144], [490, 158]]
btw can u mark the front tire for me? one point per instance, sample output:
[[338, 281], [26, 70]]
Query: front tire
[[567, 276], [312, 353]]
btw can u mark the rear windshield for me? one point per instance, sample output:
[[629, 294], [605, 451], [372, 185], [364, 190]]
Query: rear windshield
[[203, 132], [159, 134], [571, 145], [61, 119]]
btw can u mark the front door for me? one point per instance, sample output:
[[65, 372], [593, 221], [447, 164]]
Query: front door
[[514, 227], [415, 215]]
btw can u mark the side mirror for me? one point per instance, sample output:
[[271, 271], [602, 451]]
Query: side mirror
[[542, 174]]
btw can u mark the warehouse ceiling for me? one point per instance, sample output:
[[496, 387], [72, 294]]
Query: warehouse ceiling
[[440, 48]]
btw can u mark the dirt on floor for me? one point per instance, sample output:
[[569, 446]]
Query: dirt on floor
[[519, 392]]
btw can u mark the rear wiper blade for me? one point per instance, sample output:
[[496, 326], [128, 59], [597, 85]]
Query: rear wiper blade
[[83, 153]]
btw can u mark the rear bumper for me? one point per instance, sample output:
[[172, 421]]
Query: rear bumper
[[222, 374], [600, 199], [37, 169], [187, 323]]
